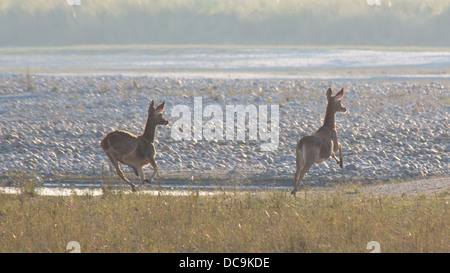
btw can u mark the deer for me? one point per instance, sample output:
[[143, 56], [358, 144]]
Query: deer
[[135, 151], [323, 144]]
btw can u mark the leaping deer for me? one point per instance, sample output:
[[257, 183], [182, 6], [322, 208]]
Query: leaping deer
[[323, 143], [135, 151]]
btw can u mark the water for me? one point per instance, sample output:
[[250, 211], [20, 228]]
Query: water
[[64, 189], [61, 191], [220, 61]]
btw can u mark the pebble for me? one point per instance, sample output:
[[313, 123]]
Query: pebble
[[50, 133]]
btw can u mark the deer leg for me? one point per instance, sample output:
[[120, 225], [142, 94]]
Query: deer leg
[[304, 163], [115, 162], [296, 180], [334, 157], [302, 173], [297, 172], [155, 169], [340, 160], [131, 166], [142, 177], [135, 170]]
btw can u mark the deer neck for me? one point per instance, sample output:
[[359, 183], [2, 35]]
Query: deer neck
[[330, 116], [149, 131]]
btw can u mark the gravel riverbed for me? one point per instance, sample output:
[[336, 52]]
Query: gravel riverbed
[[52, 125]]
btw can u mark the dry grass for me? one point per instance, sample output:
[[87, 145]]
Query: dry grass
[[231, 222]]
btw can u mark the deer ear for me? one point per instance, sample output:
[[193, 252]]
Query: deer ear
[[152, 104], [160, 107], [339, 95], [329, 93]]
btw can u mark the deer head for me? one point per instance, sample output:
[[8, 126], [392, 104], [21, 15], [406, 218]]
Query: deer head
[[335, 101], [155, 114]]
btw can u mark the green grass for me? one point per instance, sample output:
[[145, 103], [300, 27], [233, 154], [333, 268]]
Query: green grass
[[228, 222]]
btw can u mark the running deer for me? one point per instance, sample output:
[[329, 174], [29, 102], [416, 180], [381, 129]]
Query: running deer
[[135, 151], [323, 143]]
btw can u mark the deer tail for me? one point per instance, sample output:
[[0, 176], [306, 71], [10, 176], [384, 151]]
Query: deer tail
[[300, 144], [105, 144]]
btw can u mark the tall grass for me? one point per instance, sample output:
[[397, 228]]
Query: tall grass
[[229, 222]]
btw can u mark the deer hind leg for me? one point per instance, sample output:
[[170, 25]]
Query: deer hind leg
[[302, 173], [115, 162], [299, 165], [304, 163], [136, 172], [131, 166]]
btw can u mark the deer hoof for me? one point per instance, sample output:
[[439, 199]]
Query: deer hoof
[[293, 192], [341, 164], [148, 181]]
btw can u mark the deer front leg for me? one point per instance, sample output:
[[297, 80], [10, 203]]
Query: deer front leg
[[155, 169], [338, 161], [142, 177]]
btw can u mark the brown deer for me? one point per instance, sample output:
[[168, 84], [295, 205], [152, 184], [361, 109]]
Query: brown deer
[[135, 151], [323, 143]]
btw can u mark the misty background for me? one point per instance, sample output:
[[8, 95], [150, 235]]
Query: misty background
[[244, 22]]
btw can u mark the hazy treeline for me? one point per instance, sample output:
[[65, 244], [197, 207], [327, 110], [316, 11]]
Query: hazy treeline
[[271, 22]]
